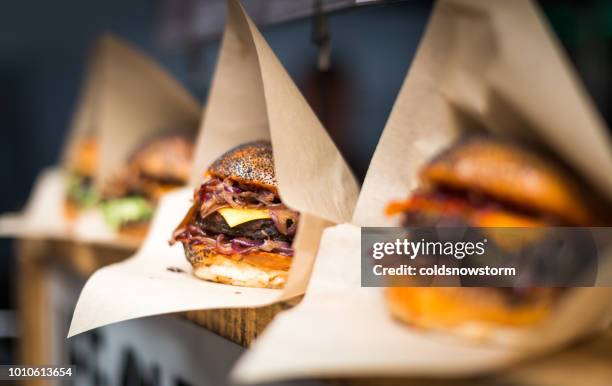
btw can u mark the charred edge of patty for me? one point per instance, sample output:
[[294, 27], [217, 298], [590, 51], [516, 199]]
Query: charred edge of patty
[[262, 229]]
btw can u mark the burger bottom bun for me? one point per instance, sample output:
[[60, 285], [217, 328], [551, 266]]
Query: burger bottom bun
[[477, 313], [259, 269], [134, 231]]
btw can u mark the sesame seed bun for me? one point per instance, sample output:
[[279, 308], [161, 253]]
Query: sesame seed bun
[[509, 174], [249, 164], [258, 269]]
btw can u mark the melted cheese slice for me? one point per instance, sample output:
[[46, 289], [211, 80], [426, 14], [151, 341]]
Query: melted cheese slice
[[234, 217]]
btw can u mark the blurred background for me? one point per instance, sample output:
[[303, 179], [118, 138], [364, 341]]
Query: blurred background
[[348, 59]]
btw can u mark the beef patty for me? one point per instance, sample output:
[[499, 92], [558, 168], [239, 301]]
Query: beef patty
[[215, 224]]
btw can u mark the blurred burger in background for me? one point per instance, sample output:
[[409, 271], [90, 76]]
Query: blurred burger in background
[[482, 181], [157, 167], [82, 165]]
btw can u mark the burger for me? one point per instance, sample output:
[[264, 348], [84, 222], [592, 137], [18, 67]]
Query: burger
[[82, 164], [130, 198], [486, 182], [238, 231]]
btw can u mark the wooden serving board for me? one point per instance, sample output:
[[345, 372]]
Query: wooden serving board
[[240, 325]]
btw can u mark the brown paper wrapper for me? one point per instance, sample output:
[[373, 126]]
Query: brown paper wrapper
[[126, 98], [251, 98], [138, 101], [496, 63], [499, 64]]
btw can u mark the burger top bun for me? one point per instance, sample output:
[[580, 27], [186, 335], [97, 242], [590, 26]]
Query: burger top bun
[[509, 174], [250, 164], [83, 159], [166, 158]]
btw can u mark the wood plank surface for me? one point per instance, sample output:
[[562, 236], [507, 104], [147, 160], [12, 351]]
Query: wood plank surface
[[240, 325], [34, 342]]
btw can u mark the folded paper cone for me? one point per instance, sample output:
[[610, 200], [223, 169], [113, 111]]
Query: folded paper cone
[[249, 89], [126, 98], [138, 101], [135, 105]]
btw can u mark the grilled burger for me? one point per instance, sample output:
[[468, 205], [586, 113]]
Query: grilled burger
[[238, 231], [159, 166], [82, 164], [485, 182]]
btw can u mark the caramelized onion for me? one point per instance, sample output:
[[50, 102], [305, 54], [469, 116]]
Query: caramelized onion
[[285, 220], [215, 194]]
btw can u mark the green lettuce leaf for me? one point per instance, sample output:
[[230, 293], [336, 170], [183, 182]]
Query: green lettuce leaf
[[121, 211]]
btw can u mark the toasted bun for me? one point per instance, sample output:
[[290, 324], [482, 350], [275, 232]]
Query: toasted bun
[[258, 269], [510, 174], [250, 164], [472, 311], [83, 159], [166, 158]]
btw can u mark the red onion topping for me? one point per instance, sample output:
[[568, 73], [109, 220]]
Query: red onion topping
[[215, 194]]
